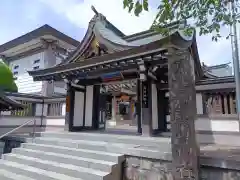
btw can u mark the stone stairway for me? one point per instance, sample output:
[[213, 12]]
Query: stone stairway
[[77, 156], [62, 156]]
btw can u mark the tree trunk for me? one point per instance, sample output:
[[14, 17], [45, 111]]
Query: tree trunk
[[182, 98]]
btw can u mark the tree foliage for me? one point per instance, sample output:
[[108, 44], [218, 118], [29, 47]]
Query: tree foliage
[[6, 78], [208, 16]]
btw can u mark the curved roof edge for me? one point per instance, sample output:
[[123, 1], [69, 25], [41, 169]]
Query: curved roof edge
[[108, 35]]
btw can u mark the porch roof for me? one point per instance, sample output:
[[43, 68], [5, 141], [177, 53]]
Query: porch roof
[[153, 53], [7, 103]]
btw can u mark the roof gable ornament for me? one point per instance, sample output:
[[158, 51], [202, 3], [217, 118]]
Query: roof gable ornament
[[97, 17], [94, 10]]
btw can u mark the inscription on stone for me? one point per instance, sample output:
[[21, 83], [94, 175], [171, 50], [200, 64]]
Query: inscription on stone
[[182, 97]]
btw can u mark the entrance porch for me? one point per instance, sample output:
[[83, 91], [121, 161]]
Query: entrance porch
[[86, 87]]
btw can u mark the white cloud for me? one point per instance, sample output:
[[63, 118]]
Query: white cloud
[[80, 13]]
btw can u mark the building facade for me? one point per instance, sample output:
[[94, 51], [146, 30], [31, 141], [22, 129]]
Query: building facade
[[41, 48]]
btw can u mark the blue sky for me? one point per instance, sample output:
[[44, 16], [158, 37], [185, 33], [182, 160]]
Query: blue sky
[[71, 17]]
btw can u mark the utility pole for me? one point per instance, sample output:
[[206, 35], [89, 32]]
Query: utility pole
[[235, 54]]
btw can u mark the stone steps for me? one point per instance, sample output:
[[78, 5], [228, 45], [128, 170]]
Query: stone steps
[[99, 155], [7, 175], [62, 158], [67, 169], [53, 158], [32, 172], [83, 144], [104, 146], [110, 138]]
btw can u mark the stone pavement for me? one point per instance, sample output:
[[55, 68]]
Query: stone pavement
[[221, 151]]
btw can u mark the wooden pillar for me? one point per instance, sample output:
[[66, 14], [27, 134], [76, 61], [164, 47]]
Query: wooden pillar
[[232, 110], [67, 114], [138, 108], [114, 102], [182, 97], [219, 105], [162, 111], [225, 104]]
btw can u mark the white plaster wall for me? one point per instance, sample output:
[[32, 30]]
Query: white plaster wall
[[54, 121], [64, 109], [214, 124], [39, 110], [217, 125], [154, 107], [17, 121], [25, 82], [199, 103], [6, 121], [89, 106], [78, 109], [60, 90], [5, 113]]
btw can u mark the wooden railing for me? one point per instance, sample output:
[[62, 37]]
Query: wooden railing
[[29, 109], [37, 106], [223, 103]]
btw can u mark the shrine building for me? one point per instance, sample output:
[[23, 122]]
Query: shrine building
[[109, 69]]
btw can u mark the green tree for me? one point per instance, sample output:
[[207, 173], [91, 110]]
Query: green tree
[[208, 16], [6, 78]]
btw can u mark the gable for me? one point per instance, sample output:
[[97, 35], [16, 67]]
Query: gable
[[104, 38], [92, 49]]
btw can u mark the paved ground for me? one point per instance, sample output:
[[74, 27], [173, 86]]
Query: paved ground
[[221, 151]]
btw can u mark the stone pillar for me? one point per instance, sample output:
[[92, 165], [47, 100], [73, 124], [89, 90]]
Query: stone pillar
[[68, 106], [182, 98]]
